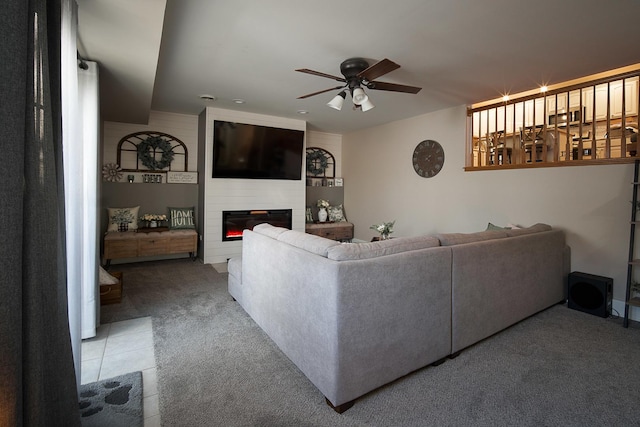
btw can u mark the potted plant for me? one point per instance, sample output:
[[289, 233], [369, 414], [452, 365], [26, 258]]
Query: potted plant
[[385, 229]]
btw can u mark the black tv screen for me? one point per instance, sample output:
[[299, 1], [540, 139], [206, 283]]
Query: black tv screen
[[258, 152]]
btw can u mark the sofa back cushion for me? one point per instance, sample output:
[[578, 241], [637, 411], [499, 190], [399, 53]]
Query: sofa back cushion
[[269, 230], [537, 228], [309, 242], [450, 239], [353, 251]]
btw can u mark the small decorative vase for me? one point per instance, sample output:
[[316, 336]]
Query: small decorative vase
[[322, 214], [123, 226], [153, 224], [384, 236]]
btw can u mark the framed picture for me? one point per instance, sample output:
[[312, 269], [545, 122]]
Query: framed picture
[[182, 177], [338, 182]]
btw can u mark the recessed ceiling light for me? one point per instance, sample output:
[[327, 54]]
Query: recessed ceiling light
[[207, 97], [303, 112], [238, 101]]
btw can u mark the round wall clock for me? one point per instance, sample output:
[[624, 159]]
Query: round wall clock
[[428, 158]]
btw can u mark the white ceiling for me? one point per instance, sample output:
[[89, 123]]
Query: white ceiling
[[458, 51]]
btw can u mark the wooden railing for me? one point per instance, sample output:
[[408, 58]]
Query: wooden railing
[[588, 123]]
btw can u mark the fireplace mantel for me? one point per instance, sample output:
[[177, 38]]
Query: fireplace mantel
[[227, 194]]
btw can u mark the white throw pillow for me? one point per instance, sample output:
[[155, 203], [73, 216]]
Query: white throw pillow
[[336, 214], [119, 215]]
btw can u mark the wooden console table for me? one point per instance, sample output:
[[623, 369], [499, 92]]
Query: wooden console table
[[331, 230], [131, 244]]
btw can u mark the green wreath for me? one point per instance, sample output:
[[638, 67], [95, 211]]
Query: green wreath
[[148, 148], [316, 162]]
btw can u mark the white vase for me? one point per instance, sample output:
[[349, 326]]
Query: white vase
[[322, 214], [153, 224]]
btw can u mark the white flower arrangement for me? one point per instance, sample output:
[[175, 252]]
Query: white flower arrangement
[[153, 217], [323, 204], [384, 229]]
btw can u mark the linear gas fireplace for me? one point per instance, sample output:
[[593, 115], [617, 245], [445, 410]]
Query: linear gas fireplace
[[234, 222]]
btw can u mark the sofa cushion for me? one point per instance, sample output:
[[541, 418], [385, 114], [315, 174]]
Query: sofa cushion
[[117, 235], [269, 230], [352, 251], [309, 242], [180, 233], [537, 228], [450, 239], [491, 226]]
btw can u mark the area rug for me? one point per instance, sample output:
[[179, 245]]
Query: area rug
[[114, 402]]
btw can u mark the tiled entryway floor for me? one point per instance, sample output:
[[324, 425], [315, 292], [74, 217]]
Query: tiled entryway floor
[[120, 348]]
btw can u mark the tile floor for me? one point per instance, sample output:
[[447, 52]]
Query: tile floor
[[120, 348]]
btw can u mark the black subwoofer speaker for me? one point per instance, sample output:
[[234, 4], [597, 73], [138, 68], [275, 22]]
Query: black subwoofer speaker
[[591, 294]]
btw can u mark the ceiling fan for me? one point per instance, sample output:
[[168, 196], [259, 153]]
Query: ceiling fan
[[357, 73]]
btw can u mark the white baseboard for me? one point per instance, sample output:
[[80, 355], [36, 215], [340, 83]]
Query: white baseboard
[[618, 306]]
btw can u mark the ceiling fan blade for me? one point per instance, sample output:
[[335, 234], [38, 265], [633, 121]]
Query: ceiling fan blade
[[378, 69], [392, 87], [319, 92], [318, 73]]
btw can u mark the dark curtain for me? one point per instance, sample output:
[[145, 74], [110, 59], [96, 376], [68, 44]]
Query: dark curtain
[[37, 378]]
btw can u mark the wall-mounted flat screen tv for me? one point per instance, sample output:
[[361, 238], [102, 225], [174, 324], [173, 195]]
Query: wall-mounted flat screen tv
[[256, 152]]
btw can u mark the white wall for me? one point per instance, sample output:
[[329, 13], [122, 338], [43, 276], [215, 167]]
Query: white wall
[[328, 141], [591, 203], [182, 126], [242, 194]]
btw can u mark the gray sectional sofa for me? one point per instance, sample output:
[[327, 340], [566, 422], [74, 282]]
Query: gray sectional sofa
[[356, 316]]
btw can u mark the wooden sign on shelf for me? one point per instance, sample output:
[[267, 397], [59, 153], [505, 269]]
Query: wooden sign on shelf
[[182, 177]]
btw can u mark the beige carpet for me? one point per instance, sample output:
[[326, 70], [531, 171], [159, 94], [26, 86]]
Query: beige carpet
[[216, 367]]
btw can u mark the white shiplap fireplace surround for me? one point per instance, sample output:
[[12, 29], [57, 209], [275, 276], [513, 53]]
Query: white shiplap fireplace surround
[[217, 195]]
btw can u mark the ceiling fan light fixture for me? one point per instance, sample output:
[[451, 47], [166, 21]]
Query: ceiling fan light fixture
[[337, 101], [367, 105], [359, 96]]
